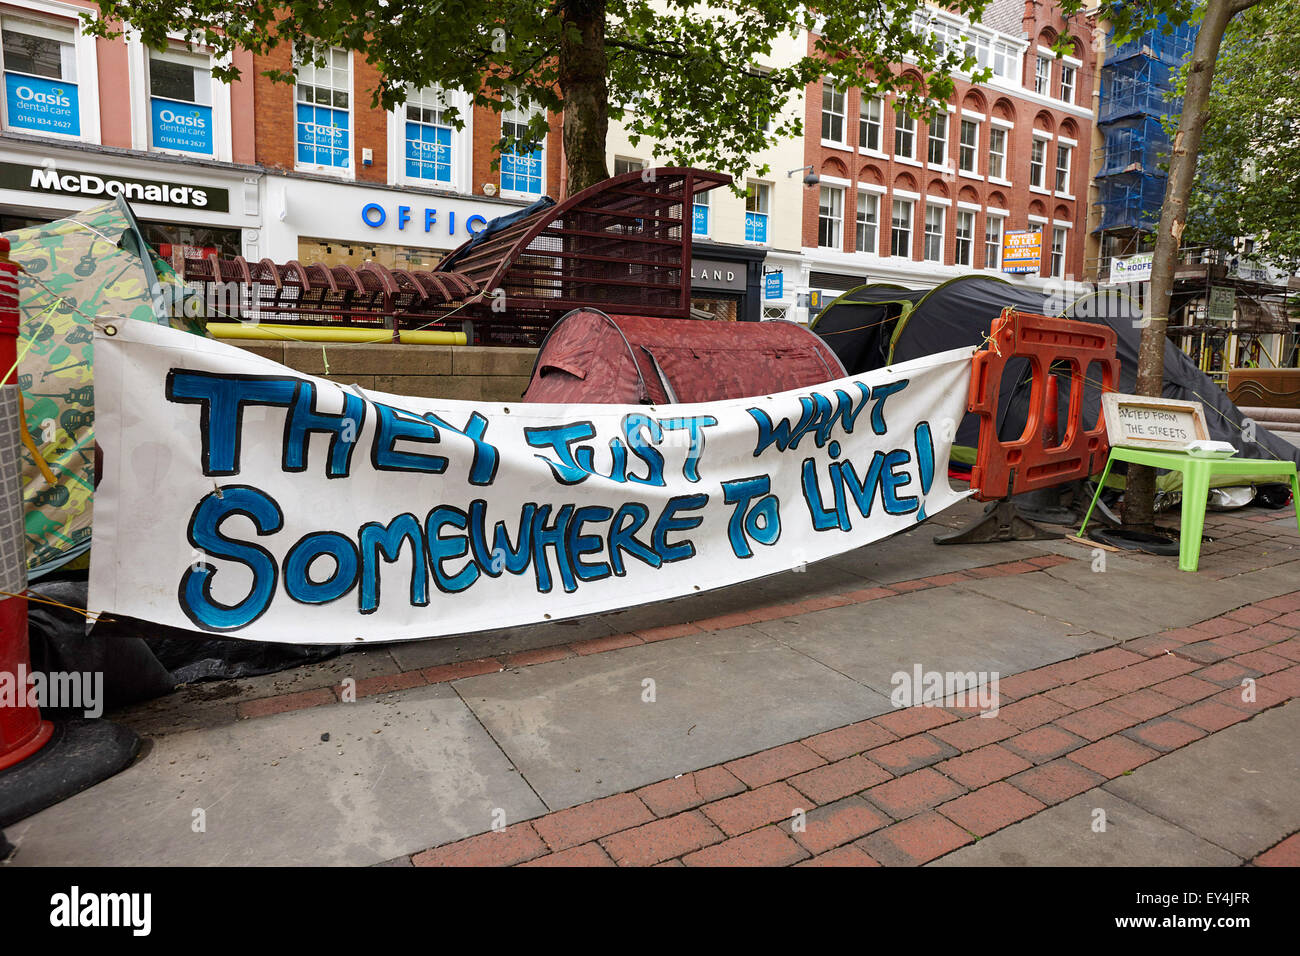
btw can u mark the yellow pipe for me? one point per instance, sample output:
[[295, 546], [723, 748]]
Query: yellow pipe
[[267, 331]]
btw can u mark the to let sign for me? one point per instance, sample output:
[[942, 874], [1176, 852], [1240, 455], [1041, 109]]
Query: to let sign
[[1135, 421]]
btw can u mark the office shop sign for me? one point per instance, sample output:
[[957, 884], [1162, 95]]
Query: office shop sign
[[76, 182]]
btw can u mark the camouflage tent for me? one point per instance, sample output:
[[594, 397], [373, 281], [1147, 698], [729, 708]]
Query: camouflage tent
[[93, 267]]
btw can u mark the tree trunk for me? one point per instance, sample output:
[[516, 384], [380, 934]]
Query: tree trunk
[[583, 87], [1139, 495]]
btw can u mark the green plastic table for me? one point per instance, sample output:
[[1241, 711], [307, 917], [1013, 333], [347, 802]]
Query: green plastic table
[[1197, 473]]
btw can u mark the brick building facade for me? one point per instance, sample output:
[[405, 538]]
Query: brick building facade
[[903, 200]]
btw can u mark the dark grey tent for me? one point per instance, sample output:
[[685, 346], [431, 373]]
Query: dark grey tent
[[877, 325]]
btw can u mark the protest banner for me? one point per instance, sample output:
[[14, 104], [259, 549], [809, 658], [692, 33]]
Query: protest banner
[[244, 498]]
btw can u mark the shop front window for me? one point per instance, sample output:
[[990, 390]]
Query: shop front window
[[180, 102], [324, 137], [428, 137], [40, 68]]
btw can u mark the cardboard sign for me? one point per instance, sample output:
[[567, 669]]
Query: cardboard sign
[[241, 497], [1136, 421]]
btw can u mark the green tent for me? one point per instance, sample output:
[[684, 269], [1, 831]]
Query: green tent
[[90, 268]]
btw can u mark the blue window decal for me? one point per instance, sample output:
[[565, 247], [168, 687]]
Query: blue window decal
[[323, 136], [756, 227], [522, 172], [701, 224], [181, 126], [42, 105], [428, 152]]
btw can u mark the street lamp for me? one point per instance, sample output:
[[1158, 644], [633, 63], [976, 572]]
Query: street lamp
[[812, 179]]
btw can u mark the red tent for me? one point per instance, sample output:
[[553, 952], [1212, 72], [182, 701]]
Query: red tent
[[594, 358]]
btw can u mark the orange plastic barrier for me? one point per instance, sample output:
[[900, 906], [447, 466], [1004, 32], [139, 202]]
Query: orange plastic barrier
[[1039, 458]]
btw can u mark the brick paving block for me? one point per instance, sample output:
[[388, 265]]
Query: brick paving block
[[990, 808], [749, 811], [775, 764], [913, 720], [1283, 604], [951, 577], [1291, 620], [1252, 614], [1043, 743], [283, 703], [918, 791], [448, 672], [765, 847], [1056, 782], [723, 622], [1242, 643], [1018, 567], [1206, 652], [1286, 683], [1262, 662], [1032, 712], [1154, 645], [690, 790], [1096, 722], [589, 821], [598, 645], [540, 655], [514, 844], [903, 587], [839, 779], [667, 632], [863, 595], [1218, 626], [1288, 649], [1090, 665], [1026, 684], [975, 732], [836, 823], [911, 753], [1264, 698], [588, 854], [1210, 715], [1286, 853], [1113, 756], [662, 840], [1081, 695], [842, 856], [1273, 632], [1145, 704], [1226, 673], [388, 683], [1157, 669], [847, 741], [1188, 688], [983, 766], [1165, 734], [916, 841]]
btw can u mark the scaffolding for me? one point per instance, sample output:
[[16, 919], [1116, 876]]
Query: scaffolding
[[1137, 79]]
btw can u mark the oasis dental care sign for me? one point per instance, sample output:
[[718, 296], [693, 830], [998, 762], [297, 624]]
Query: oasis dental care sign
[[241, 497], [181, 126], [46, 106]]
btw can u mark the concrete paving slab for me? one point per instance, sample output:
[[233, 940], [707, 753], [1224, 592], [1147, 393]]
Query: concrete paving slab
[[398, 773], [412, 655], [1236, 788], [579, 729], [1127, 600], [905, 557], [1063, 835], [947, 629], [1266, 582]]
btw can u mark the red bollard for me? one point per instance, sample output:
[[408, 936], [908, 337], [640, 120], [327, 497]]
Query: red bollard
[[1051, 413], [22, 732]]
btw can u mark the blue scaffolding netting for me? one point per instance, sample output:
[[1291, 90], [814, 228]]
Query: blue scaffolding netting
[[1137, 80]]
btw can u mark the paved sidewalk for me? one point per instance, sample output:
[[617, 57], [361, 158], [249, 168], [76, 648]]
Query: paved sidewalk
[[692, 731]]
